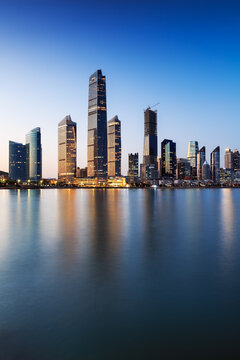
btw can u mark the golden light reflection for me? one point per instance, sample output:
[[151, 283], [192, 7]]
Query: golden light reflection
[[67, 219]]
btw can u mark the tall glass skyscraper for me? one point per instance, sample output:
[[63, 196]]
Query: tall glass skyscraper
[[97, 126], [132, 168], [169, 159], [150, 150], [192, 157], [17, 161], [114, 147], [201, 157], [228, 159], [67, 148], [215, 164], [236, 160], [34, 155]]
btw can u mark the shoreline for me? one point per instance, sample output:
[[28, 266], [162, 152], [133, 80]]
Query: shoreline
[[116, 187]]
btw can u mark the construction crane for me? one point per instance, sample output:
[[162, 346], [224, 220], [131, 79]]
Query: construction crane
[[152, 106]]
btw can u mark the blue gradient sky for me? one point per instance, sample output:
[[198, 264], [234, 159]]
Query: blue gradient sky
[[183, 54]]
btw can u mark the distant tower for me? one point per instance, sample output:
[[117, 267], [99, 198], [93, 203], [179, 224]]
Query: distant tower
[[169, 159], [97, 126], [206, 171], [228, 159], [114, 147], [192, 157], [67, 148], [183, 169], [132, 168], [34, 155], [236, 160], [17, 161], [201, 157], [150, 150], [215, 164]]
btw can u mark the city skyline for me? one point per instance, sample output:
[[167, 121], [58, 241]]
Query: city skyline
[[193, 74]]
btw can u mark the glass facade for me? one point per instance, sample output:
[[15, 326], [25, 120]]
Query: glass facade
[[150, 150], [183, 169], [114, 147], [17, 161], [169, 160], [236, 160], [97, 126], [201, 157], [132, 168], [34, 155], [192, 157], [228, 159], [67, 148], [206, 171], [215, 164]]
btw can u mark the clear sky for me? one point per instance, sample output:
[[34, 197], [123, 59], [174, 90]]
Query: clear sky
[[183, 54]]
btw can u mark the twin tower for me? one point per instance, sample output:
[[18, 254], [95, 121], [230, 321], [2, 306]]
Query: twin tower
[[104, 139]]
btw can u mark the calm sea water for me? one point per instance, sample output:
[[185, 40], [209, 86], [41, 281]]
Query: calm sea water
[[119, 274]]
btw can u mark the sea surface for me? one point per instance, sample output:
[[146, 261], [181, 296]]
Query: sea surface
[[119, 274]]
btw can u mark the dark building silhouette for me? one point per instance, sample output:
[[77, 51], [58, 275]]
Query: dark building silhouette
[[206, 171], [236, 160], [132, 168], [183, 169], [17, 161], [150, 150], [97, 126], [169, 160], [215, 164]]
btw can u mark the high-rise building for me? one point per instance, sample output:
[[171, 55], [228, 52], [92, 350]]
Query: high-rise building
[[169, 159], [17, 161], [159, 160], [97, 126], [215, 164], [206, 171], [228, 159], [236, 160], [34, 155], [132, 168], [183, 168], [192, 157], [67, 148], [114, 147], [201, 157], [150, 150]]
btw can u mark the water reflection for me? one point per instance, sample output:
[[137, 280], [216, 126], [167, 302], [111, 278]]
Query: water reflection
[[228, 217]]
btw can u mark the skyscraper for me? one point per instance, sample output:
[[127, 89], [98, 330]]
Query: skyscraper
[[17, 161], [132, 168], [114, 147], [183, 168], [228, 159], [97, 126], [236, 160], [215, 164], [192, 157], [201, 157], [150, 152], [67, 147], [206, 171], [169, 160], [34, 155]]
